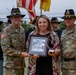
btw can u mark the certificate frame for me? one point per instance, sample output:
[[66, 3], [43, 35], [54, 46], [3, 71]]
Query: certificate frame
[[37, 45]]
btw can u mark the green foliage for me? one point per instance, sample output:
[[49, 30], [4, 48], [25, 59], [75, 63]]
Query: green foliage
[[1, 26], [25, 25], [62, 25]]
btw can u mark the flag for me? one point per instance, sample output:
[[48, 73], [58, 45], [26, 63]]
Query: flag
[[45, 4], [29, 5]]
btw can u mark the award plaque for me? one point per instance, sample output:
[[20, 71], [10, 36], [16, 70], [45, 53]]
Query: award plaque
[[37, 45]]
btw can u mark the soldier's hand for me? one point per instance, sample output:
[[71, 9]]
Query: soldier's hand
[[24, 54], [35, 56], [57, 51]]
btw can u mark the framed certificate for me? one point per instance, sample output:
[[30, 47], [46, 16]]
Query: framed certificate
[[37, 45]]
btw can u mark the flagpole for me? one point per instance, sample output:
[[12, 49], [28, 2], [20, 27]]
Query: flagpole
[[17, 3], [40, 11], [40, 7]]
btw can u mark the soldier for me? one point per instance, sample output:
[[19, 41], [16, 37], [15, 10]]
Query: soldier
[[68, 44], [55, 22], [13, 45], [32, 28]]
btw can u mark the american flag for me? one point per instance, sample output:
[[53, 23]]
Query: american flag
[[29, 5]]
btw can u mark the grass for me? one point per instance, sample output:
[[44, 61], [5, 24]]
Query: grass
[[26, 69]]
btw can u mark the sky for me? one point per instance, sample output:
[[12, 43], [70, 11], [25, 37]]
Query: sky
[[57, 8]]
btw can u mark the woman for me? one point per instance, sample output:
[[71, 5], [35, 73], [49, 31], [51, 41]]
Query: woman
[[43, 65]]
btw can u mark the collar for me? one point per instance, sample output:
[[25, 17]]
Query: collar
[[70, 31]]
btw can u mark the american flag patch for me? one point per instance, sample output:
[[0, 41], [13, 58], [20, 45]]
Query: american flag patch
[[3, 36]]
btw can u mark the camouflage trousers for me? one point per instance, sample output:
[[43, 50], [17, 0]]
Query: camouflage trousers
[[68, 72], [7, 71]]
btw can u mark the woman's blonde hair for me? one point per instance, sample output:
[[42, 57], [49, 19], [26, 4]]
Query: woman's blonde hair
[[50, 28]]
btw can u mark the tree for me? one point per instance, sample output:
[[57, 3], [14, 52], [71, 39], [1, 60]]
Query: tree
[[26, 26], [62, 25], [1, 25]]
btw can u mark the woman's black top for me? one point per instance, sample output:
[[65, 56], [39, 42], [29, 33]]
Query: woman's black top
[[44, 64]]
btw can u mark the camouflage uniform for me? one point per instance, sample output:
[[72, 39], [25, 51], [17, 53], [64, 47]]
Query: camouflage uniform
[[68, 46], [13, 43]]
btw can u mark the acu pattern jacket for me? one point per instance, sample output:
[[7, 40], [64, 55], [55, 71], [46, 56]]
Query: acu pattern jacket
[[68, 46], [13, 43]]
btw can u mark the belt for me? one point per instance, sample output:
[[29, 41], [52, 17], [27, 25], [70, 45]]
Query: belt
[[71, 59]]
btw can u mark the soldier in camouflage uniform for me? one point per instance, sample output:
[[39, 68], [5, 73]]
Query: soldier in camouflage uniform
[[13, 45], [68, 44]]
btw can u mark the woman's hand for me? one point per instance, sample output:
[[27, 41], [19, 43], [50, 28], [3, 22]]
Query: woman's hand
[[55, 53], [51, 53], [35, 56]]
